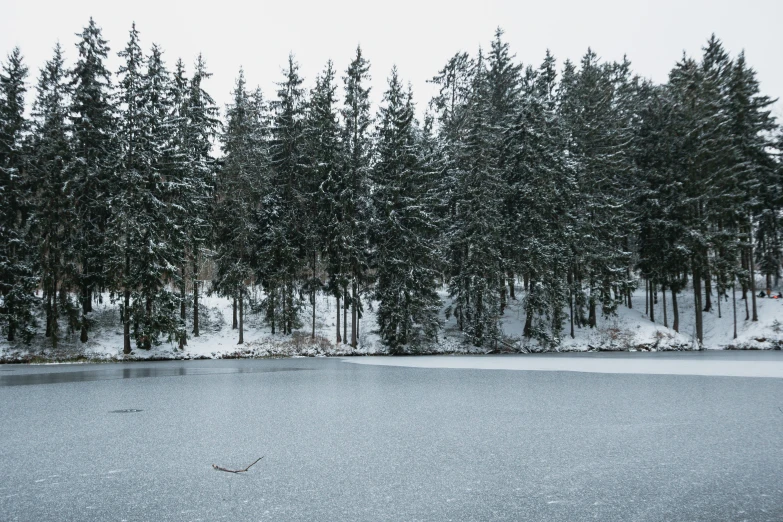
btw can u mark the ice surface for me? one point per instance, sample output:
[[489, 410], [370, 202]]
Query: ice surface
[[355, 442]]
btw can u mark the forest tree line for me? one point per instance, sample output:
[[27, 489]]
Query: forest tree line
[[581, 183]]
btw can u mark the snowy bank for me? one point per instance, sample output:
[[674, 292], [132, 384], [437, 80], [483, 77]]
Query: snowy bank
[[629, 330]]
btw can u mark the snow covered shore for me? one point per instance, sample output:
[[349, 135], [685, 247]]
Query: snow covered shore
[[629, 330]]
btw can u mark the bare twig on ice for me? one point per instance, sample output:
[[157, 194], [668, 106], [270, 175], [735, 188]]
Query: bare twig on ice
[[219, 468]]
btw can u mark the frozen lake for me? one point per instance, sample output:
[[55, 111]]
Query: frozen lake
[[593, 437]]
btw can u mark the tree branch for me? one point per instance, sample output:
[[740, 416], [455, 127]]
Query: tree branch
[[219, 468]]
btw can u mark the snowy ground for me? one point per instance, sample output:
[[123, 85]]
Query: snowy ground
[[729, 366], [630, 329]]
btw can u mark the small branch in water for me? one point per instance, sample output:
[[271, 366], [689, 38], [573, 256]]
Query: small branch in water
[[219, 468]]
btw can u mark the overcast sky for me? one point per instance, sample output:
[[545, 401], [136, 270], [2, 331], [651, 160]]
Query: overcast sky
[[419, 36]]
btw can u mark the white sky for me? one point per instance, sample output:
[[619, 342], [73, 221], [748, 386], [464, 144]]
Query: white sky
[[419, 36]]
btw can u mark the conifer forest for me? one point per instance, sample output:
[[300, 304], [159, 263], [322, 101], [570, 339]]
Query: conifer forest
[[563, 186]]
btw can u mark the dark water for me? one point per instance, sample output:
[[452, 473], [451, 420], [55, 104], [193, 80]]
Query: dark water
[[351, 442]]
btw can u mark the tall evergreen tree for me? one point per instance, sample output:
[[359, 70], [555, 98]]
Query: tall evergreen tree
[[322, 132], [199, 119], [182, 191], [504, 85], [284, 203], [758, 202], [92, 131], [54, 213], [598, 144], [543, 185], [404, 230], [125, 228], [141, 220], [17, 274], [238, 189], [355, 199], [475, 234]]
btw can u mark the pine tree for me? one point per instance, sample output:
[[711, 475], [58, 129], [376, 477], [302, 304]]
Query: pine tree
[[504, 85], [597, 143], [284, 241], [200, 125], [181, 192], [475, 234], [126, 230], [703, 166], [758, 200], [451, 105], [322, 132], [355, 199], [541, 212], [92, 130], [141, 222], [662, 252], [158, 272], [240, 179], [18, 279], [404, 230], [55, 216]]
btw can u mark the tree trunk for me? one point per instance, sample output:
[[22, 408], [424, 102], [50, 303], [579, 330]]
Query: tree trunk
[[195, 297], [312, 298], [87, 300], [313, 295], [697, 304], [147, 333], [126, 343], [646, 297], [675, 312], [182, 285], [289, 317], [272, 308], [719, 296], [345, 314], [527, 332], [284, 319], [234, 324], [707, 292], [339, 339], [663, 294], [48, 313], [747, 309], [353, 313], [241, 316], [85, 305], [652, 300], [734, 306], [752, 264], [571, 300], [54, 310], [744, 261], [502, 298], [511, 289], [183, 338]]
